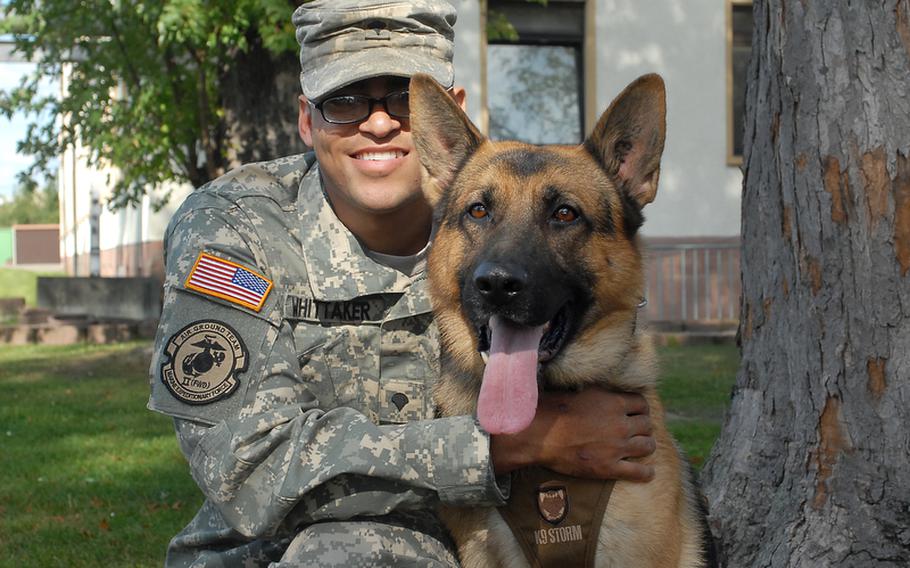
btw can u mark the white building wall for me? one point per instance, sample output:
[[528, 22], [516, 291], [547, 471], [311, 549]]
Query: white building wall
[[138, 224], [76, 181], [123, 232], [125, 229], [684, 41], [469, 49]]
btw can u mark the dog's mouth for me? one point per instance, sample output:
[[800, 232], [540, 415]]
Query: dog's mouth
[[555, 333], [507, 400]]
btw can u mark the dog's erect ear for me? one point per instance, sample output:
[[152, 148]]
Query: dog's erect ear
[[443, 134], [629, 137]]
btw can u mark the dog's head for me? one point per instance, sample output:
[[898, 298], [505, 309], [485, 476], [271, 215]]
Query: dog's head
[[535, 258]]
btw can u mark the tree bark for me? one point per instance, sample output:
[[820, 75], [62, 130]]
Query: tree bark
[[813, 465], [260, 101]]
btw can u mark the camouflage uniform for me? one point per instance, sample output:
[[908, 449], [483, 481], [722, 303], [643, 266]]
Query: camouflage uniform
[[310, 430]]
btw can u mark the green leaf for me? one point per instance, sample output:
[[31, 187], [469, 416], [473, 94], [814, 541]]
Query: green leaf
[[143, 82]]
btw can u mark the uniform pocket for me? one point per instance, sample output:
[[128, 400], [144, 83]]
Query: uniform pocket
[[316, 374], [340, 366]]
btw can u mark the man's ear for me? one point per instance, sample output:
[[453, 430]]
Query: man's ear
[[628, 139], [461, 97], [443, 134], [305, 121]]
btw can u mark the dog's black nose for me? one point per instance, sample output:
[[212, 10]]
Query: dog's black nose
[[500, 283]]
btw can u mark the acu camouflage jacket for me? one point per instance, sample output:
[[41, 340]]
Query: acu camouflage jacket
[[299, 370]]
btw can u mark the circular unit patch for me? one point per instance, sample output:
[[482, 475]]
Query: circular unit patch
[[203, 361]]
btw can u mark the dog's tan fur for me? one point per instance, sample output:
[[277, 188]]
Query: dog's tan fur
[[654, 524]]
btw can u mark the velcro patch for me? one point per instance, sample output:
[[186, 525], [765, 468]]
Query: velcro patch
[[229, 281], [361, 310], [203, 360]]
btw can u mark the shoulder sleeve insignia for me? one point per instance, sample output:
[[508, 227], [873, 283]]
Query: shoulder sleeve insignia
[[203, 360], [229, 281]]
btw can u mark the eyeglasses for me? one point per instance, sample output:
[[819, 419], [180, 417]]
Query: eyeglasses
[[348, 109]]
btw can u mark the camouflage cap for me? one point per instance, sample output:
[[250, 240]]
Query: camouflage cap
[[345, 41]]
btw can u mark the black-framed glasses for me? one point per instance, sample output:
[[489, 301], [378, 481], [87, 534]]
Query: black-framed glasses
[[348, 109]]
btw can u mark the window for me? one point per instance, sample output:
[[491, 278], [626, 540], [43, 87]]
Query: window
[[535, 82], [739, 51]]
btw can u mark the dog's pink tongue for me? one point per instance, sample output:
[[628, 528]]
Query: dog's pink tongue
[[508, 395]]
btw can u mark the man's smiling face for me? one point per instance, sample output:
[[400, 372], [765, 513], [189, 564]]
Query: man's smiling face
[[368, 167]]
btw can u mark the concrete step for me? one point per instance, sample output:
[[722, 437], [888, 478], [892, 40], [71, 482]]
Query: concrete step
[[71, 333]]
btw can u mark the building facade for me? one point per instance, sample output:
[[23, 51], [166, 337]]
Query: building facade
[[34, 247], [550, 84]]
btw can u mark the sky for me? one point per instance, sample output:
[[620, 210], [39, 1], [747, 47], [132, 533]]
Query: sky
[[11, 131]]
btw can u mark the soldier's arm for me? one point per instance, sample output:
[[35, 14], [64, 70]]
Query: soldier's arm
[[264, 452]]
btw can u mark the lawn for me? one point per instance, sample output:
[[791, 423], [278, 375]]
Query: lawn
[[92, 478], [695, 386], [16, 283]]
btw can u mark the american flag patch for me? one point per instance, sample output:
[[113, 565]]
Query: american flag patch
[[229, 281]]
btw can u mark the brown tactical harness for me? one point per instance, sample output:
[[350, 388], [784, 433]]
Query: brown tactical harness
[[556, 518]]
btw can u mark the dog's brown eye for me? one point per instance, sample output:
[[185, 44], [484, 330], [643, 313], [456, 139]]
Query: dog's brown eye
[[565, 214], [478, 211]]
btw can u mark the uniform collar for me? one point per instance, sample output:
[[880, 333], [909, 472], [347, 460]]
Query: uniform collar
[[336, 263]]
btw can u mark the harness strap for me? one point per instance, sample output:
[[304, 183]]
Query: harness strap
[[556, 518]]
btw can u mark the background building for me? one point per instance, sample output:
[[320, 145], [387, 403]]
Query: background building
[[35, 247], [569, 61]]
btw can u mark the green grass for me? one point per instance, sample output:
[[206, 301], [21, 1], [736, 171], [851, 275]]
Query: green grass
[[16, 283], [92, 478], [696, 382]]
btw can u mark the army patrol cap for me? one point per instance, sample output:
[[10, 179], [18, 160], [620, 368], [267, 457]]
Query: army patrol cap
[[345, 41]]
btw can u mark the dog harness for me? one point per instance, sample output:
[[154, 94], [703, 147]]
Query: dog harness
[[556, 518]]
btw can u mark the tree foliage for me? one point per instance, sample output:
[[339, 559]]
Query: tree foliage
[[146, 83], [143, 82], [31, 205]]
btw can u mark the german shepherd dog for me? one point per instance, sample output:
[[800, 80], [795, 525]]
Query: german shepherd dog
[[536, 279]]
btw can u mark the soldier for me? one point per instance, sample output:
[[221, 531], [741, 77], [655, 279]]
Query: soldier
[[297, 349]]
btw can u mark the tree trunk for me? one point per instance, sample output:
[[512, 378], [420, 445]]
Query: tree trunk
[[813, 465], [260, 100]]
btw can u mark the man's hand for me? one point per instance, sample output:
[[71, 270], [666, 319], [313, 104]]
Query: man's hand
[[593, 434]]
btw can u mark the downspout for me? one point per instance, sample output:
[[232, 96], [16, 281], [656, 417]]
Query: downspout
[[75, 229], [140, 210], [94, 226]]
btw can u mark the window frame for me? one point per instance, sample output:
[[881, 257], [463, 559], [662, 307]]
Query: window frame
[[733, 159], [587, 68]]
